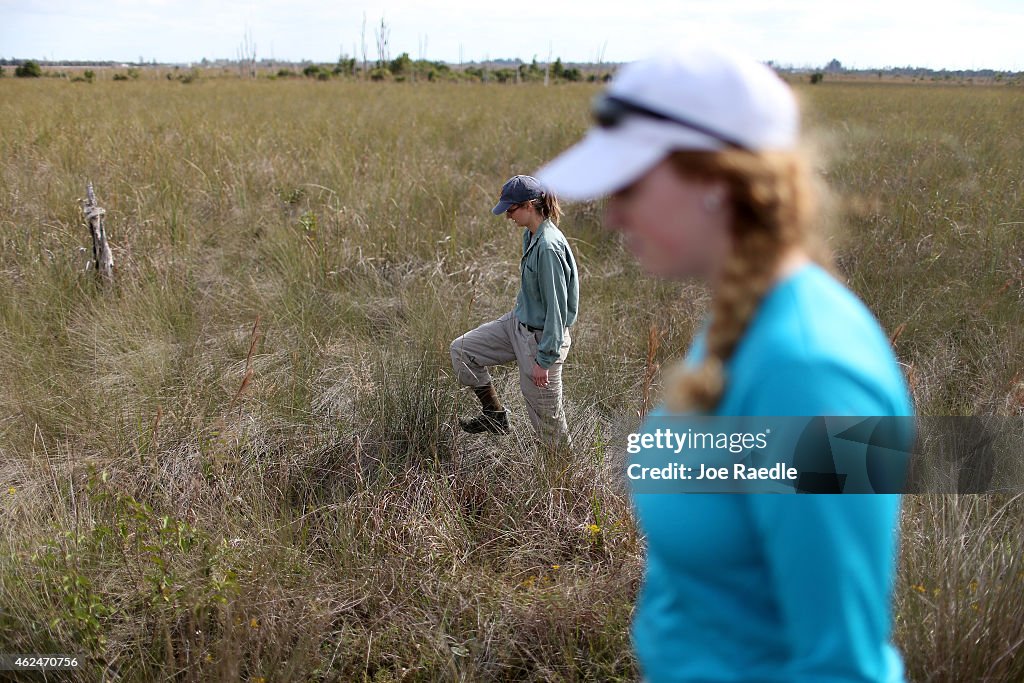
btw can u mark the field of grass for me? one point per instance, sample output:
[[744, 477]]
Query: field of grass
[[238, 461]]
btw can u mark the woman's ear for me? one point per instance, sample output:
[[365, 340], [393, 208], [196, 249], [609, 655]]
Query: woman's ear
[[714, 198]]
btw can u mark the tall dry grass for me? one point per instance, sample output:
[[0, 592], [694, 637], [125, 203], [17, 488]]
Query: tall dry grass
[[190, 495]]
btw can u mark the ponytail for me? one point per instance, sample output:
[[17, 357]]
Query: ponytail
[[773, 207], [547, 206]]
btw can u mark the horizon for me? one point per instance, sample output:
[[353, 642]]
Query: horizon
[[951, 35], [268, 63], [954, 35]]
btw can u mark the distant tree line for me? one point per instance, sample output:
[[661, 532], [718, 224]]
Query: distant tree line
[[835, 67], [405, 68], [92, 62], [399, 69]]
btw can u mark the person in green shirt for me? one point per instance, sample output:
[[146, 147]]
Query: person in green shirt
[[535, 333]]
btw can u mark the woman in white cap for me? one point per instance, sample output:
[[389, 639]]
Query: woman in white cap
[[697, 150], [535, 334]]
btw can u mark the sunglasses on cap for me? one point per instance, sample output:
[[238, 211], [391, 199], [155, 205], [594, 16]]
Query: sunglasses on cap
[[609, 112]]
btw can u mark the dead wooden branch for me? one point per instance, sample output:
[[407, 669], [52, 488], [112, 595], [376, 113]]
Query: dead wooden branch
[[101, 254]]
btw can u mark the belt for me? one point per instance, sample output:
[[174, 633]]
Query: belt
[[530, 327]]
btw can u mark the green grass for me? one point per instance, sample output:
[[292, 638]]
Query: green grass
[[324, 520]]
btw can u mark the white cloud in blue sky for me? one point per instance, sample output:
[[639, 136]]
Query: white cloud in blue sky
[[872, 33]]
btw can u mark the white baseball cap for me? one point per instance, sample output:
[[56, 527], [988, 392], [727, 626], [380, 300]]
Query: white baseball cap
[[689, 98]]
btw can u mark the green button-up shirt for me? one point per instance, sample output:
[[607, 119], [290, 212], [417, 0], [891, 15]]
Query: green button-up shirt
[[549, 293]]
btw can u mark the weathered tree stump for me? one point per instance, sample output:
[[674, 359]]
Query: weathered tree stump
[[102, 257]]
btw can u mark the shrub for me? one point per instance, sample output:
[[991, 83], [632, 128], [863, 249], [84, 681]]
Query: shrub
[[401, 64], [557, 70], [315, 71], [817, 77], [29, 69], [504, 75], [192, 75], [346, 66]]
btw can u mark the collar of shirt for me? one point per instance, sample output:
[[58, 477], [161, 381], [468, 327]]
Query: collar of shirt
[[535, 236]]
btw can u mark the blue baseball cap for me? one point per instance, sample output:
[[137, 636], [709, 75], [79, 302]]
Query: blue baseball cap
[[518, 189]]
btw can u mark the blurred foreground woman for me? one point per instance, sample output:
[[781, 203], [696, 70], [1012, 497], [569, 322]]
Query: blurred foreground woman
[[697, 150]]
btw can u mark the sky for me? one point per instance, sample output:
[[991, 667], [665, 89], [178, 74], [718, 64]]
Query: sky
[[950, 34]]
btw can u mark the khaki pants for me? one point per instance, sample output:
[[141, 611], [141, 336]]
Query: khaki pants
[[505, 340]]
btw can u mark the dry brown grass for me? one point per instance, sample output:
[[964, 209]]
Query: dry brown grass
[[192, 494]]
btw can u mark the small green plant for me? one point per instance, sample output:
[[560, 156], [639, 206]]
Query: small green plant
[[174, 568], [84, 610], [290, 196], [309, 223]]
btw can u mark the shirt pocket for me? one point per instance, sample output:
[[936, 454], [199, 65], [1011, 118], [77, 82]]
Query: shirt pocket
[[531, 281]]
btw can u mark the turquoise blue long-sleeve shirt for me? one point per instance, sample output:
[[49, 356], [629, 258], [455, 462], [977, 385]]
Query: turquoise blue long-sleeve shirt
[[549, 294], [763, 587]]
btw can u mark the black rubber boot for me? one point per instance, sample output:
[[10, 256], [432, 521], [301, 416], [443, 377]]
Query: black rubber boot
[[493, 421]]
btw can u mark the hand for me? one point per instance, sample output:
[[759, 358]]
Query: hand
[[539, 376]]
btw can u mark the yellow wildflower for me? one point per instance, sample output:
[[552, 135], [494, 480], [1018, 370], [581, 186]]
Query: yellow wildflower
[[254, 623]]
